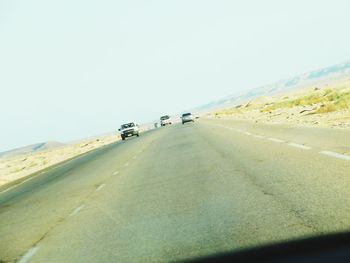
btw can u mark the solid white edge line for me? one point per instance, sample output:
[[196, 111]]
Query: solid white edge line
[[12, 187], [30, 253], [76, 210], [336, 155], [100, 187], [300, 146], [275, 140]]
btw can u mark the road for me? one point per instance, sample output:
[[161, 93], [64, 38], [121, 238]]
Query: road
[[180, 192]]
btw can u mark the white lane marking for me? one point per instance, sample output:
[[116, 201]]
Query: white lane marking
[[247, 133], [100, 187], [126, 164], [116, 172], [30, 253], [231, 128], [259, 136], [336, 155], [275, 140], [76, 210], [135, 157], [8, 189], [300, 146]]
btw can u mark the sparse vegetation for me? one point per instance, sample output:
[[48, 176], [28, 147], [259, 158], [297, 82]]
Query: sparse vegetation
[[326, 108], [32, 164], [326, 101], [302, 107]]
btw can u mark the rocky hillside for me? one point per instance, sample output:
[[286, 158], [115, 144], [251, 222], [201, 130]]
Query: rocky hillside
[[318, 77]]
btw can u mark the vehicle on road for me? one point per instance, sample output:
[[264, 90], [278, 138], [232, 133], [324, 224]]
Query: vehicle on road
[[129, 130], [165, 120], [187, 117]]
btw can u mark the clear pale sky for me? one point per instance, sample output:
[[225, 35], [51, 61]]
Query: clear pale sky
[[73, 69]]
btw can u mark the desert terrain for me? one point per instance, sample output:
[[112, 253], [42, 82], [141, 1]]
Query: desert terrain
[[323, 105], [17, 166]]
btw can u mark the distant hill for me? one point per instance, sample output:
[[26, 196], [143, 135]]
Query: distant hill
[[31, 148], [306, 79]]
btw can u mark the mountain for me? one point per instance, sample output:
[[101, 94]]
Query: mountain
[[31, 148], [311, 78]]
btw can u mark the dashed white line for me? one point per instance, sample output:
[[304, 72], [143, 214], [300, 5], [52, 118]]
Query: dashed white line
[[76, 210], [336, 155], [275, 140], [135, 157], [300, 146], [30, 253], [126, 164], [259, 136], [100, 187], [247, 133], [116, 172]]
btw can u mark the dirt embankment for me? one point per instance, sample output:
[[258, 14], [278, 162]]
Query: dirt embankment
[[19, 166], [325, 106]]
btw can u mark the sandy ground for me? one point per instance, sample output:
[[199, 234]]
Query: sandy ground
[[326, 105], [19, 166], [15, 167]]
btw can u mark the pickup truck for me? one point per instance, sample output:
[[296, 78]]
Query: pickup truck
[[128, 130]]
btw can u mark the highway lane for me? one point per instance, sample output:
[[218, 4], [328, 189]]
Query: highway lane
[[179, 192], [29, 211]]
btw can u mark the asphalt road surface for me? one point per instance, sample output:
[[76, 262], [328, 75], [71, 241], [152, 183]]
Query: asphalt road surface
[[179, 192]]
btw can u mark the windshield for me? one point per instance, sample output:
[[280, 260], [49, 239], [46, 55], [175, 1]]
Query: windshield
[[128, 125], [256, 150]]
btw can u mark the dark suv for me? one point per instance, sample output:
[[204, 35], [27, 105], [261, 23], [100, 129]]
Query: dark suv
[[187, 117]]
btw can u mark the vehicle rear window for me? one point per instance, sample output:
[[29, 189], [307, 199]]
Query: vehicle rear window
[[164, 117], [186, 114]]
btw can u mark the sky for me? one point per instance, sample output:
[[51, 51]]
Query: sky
[[74, 69]]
